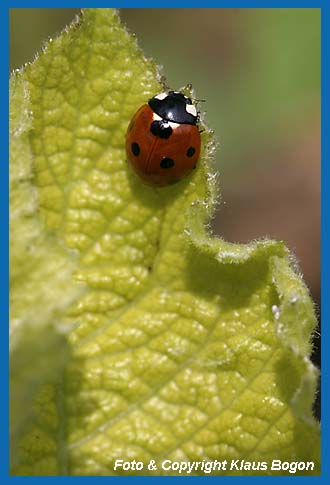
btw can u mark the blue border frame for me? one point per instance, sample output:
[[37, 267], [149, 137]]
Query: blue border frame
[[325, 279], [4, 263], [325, 260]]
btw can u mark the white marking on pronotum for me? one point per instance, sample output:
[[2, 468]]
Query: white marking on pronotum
[[166, 123], [190, 108], [161, 96], [156, 117], [173, 125]]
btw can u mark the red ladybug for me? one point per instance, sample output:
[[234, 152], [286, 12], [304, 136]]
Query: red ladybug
[[163, 140]]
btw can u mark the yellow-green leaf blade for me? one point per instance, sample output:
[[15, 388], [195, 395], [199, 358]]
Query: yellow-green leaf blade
[[41, 286]]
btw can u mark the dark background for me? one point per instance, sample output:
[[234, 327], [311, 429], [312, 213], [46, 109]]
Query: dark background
[[259, 72]]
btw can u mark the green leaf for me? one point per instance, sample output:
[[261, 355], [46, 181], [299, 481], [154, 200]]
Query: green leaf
[[41, 285], [183, 346]]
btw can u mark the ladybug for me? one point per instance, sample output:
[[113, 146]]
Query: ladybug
[[163, 140]]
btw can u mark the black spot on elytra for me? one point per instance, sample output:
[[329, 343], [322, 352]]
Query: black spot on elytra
[[191, 151], [135, 148], [167, 163], [161, 128]]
